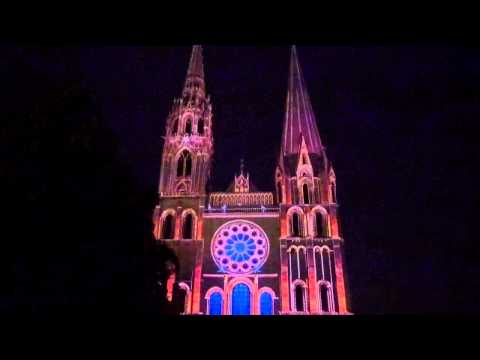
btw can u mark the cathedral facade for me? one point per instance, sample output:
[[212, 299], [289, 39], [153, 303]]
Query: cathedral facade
[[242, 251]]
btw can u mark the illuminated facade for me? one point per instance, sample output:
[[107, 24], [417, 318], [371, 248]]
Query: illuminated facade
[[244, 252]]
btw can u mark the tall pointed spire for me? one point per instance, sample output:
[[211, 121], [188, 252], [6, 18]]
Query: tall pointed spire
[[195, 81], [299, 117], [195, 68]]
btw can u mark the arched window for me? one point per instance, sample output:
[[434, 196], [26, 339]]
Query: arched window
[[302, 262], [324, 297], [180, 166], [168, 227], [319, 224], [293, 258], [201, 126], [215, 304], [279, 192], [295, 225], [319, 263], [187, 229], [326, 264], [266, 304], [184, 164], [188, 165], [306, 198], [188, 126], [323, 262], [299, 298], [241, 300]]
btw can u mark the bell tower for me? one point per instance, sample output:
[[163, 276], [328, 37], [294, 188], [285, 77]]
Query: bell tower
[[188, 146], [184, 172], [312, 278]]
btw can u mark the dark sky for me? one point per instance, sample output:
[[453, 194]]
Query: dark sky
[[398, 123]]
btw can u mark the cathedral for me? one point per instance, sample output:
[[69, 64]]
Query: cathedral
[[243, 251]]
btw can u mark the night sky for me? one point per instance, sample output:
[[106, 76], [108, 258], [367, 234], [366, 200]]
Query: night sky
[[398, 123]]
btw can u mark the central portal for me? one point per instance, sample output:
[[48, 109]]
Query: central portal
[[241, 300]]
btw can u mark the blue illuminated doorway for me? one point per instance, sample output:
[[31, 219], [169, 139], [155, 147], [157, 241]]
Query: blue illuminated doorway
[[241, 300], [215, 306], [266, 304]]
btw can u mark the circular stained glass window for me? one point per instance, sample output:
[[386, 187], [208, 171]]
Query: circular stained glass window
[[240, 247]]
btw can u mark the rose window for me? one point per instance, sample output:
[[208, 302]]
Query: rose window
[[240, 247]]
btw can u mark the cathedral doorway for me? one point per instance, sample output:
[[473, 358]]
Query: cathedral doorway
[[241, 300]]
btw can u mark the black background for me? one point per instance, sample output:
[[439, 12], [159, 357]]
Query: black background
[[398, 119]]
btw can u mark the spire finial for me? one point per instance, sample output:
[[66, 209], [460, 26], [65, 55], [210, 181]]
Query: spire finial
[[241, 166]]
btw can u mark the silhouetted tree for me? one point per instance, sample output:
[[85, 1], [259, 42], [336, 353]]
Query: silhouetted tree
[[79, 229]]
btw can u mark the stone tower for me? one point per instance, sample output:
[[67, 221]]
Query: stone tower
[[311, 247], [185, 169]]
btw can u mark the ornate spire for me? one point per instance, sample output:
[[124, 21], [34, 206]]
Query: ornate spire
[[299, 116], [195, 81], [189, 138]]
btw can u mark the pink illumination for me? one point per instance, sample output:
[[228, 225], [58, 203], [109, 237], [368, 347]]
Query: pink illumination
[[287, 226]]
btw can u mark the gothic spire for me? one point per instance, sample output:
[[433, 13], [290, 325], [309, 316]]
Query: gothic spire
[[195, 68], [195, 82], [299, 117]]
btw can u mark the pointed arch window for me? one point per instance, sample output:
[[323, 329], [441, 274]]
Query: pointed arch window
[[324, 297], [188, 126], [318, 263], [297, 263], [326, 264], [300, 298], [306, 197], [319, 224], [187, 228], [296, 224], [168, 227], [293, 263], [302, 262], [324, 260], [184, 164], [201, 126], [325, 293]]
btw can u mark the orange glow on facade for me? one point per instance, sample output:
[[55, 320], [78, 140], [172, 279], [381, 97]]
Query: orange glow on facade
[[244, 251]]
